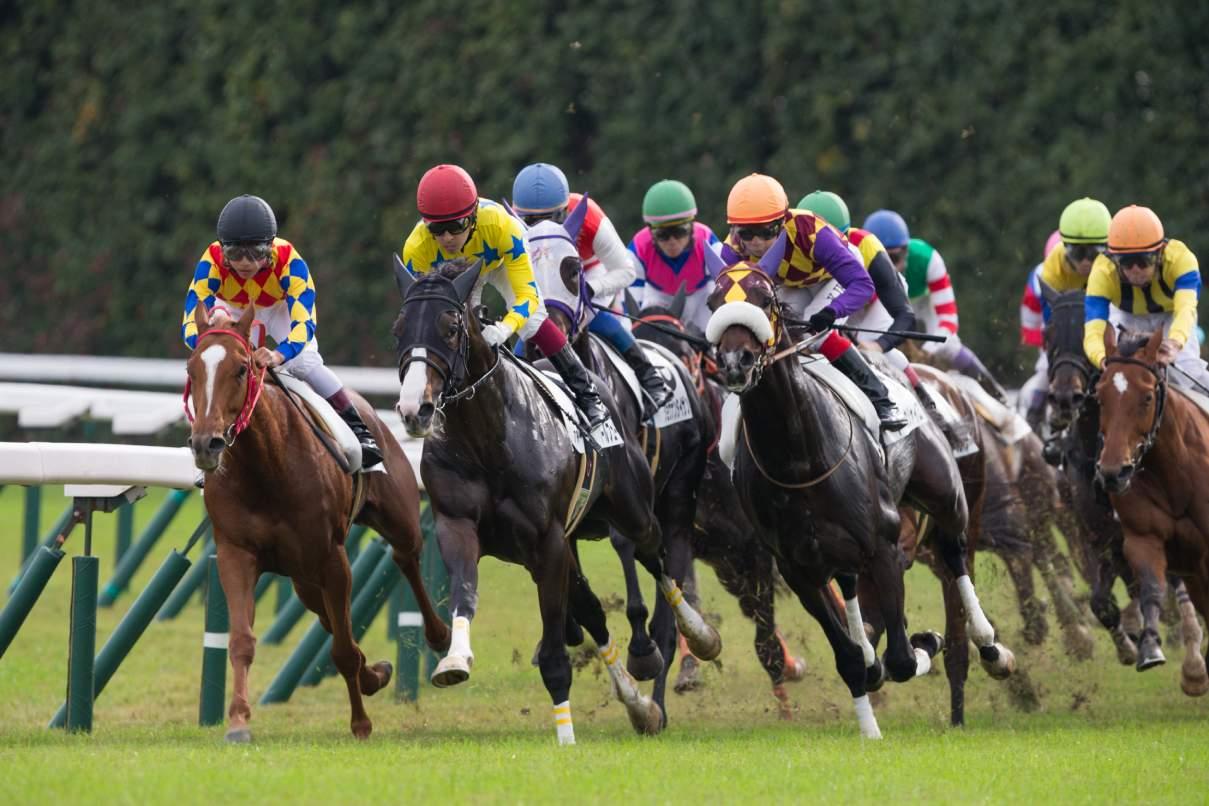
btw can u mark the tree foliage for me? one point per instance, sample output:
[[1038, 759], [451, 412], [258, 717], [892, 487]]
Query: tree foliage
[[125, 130]]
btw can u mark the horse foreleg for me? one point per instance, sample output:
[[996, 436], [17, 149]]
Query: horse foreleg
[[997, 660], [1193, 595], [1020, 571], [676, 514], [1147, 558], [874, 670], [1055, 572], [346, 655], [643, 658], [238, 571], [551, 576], [458, 540]]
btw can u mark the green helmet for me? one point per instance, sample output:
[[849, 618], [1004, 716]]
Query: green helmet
[[668, 202], [828, 205], [1084, 221]]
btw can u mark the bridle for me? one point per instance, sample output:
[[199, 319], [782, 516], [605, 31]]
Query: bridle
[[456, 363], [1160, 405], [255, 386]]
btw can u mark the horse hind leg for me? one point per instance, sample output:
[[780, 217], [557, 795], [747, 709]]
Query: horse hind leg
[[1055, 572], [1194, 681], [1031, 609], [346, 655], [238, 571], [643, 658], [552, 595], [997, 660]]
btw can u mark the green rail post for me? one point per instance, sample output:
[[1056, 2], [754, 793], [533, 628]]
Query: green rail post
[[352, 542], [291, 672], [138, 552], [85, 573], [125, 530], [214, 652], [285, 589], [42, 567], [407, 630], [366, 605], [179, 597], [132, 626], [263, 583], [436, 576], [49, 540], [33, 518]]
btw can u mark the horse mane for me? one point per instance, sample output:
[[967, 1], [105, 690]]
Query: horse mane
[[1130, 341], [453, 267]]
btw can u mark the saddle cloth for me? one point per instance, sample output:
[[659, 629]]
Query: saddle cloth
[[1009, 426], [606, 434], [675, 410], [857, 403], [1199, 399]]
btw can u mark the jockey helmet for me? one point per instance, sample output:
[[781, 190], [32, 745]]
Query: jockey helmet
[[756, 199], [446, 193], [668, 202], [1053, 240], [1135, 229], [247, 219], [889, 227], [830, 206], [1084, 221], [540, 188]]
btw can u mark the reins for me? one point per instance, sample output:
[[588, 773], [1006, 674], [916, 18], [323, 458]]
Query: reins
[[255, 386], [1160, 406]]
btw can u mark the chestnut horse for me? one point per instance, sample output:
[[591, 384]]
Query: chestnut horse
[[280, 504], [1155, 465]]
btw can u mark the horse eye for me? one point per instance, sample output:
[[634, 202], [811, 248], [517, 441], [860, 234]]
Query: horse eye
[[1149, 398], [242, 371]]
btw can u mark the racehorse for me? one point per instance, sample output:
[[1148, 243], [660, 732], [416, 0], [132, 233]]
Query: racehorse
[[1154, 463], [674, 441], [823, 495], [279, 504], [723, 537], [508, 477]]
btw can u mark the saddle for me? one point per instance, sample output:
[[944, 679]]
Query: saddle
[[676, 410], [1008, 425], [327, 419]]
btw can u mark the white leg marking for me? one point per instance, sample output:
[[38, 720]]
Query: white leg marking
[[981, 631], [459, 644], [562, 723], [923, 664], [211, 357], [856, 629], [865, 717], [414, 382]]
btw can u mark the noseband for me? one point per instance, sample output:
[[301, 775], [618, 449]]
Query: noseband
[[456, 361], [251, 395], [1160, 376]]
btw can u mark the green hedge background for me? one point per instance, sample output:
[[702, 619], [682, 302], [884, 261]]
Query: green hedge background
[[126, 127]]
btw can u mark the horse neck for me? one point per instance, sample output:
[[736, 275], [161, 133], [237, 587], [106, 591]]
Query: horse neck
[[1179, 443], [476, 422], [261, 454], [788, 402]]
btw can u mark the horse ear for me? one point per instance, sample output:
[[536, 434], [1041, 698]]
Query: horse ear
[[575, 221], [1152, 346], [715, 264], [1110, 340], [463, 284], [677, 306], [1047, 291], [403, 278], [244, 325], [632, 308], [512, 213], [771, 262], [201, 316]]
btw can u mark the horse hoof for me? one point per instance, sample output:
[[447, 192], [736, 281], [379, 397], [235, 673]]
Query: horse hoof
[[452, 669], [930, 642], [239, 735], [1194, 686], [1127, 651], [362, 730], [707, 646], [382, 672], [689, 678], [875, 676], [645, 667], [795, 669], [1149, 660], [997, 661], [784, 707], [1079, 643], [646, 717]]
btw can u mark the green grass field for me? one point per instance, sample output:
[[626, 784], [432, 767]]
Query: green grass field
[[1103, 732]]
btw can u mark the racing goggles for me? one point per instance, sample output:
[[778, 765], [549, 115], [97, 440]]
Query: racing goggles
[[673, 232], [1078, 252], [1138, 260], [255, 251], [455, 227], [765, 231]]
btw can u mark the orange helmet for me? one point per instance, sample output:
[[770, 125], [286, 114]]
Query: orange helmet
[[756, 199], [1135, 229]]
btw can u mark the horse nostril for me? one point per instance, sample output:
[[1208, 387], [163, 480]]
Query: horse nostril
[[747, 359], [215, 444], [1126, 471], [425, 411]]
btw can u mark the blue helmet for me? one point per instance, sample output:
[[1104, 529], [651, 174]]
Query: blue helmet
[[540, 188], [889, 228]]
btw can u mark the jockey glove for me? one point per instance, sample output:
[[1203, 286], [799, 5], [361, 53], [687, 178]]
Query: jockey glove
[[822, 320], [496, 334]]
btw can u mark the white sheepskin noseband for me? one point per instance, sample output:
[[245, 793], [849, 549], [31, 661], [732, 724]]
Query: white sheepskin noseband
[[738, 313]]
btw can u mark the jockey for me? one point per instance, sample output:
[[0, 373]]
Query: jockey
[[1146, 281], [456, 222], [250, 265], [671, 252], [1033, 312], [931, 295], [887, 310], [818, 277], [540, 191]]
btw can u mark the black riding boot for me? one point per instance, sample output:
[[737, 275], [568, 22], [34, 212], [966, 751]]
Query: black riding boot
[[371, 454], [853, 365], [653, 383], [577, 378], [958, 434]]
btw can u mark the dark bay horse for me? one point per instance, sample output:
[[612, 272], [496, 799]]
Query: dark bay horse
[[506, 479], [674, 441], [280, 504], [723, 537], [1154, 465]]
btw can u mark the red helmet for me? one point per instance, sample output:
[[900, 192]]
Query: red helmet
[[446, 193]]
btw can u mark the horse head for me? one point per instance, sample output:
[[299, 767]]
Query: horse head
[[655, 323], [222, 385], [745, 324], [1070, 372], [1132, 392], [434, 336], [559, 271]]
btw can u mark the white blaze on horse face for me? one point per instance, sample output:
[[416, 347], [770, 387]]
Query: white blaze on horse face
[[1120, 382], [211, 357], [415, 381]]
